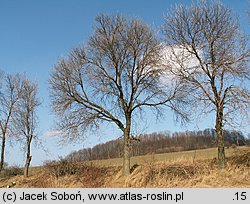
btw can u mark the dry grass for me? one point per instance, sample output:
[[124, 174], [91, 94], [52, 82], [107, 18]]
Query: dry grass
[[178, 170], [169, 157], [184, 174]]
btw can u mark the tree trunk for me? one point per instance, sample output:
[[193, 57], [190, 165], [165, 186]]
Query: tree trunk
[[220, 138], [27, 162], [27, 165], [126, 156], [2, 151]]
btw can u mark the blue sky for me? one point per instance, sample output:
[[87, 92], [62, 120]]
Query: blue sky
[[34, 34]]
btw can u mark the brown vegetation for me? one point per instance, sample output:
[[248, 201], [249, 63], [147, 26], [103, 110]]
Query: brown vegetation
[[11, 171], [151, 172]]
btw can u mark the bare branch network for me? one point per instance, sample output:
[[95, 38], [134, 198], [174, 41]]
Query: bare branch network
[[124, 69], [209, 37], [18, 120], [115, 75]]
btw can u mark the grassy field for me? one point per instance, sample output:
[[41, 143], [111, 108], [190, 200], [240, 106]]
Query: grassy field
[[180, 169], [188, 156]]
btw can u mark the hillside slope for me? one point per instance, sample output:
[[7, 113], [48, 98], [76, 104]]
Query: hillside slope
[[166, 170]]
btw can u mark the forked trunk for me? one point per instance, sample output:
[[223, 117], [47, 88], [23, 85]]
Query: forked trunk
[[220, 138]]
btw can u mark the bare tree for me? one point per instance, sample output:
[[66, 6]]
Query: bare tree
[[112, 79], [11, 88], [207, 51], [25, 119]]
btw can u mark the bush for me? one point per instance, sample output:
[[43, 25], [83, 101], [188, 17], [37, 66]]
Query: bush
[[234, 146], [248, 142], [88, 175], [62, 167], [11, 171]]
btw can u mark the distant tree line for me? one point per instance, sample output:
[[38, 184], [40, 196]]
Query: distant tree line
[[156, 143]]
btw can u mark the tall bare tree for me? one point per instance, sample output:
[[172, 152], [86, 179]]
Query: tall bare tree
[[112, 79], [11, 89], [207, 51], [25, 119]]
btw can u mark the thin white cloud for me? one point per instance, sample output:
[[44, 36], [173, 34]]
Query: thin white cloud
[[52, 133]]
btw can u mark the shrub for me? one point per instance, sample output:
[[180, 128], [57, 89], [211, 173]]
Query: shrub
[[242, 159], [88, 175], [234, 146], [92, 176], [11, 171], [62, 167]]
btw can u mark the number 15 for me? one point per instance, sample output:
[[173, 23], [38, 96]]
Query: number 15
[[241, 196]]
